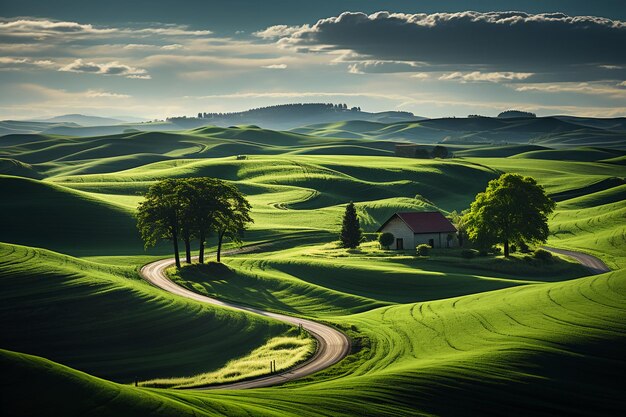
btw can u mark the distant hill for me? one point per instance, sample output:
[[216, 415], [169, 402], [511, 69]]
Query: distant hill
[[83, 120], [290, 116], [550, 131]]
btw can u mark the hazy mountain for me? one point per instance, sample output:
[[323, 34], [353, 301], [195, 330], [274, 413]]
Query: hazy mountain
[[84, 120]]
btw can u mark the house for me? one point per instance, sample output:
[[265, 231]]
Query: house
[[414, 228]]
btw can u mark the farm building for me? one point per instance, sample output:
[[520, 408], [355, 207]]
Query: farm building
[[414, 228]]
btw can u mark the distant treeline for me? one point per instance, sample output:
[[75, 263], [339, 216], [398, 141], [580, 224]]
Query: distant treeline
[[293, 109], [509, 114], [420, 151]]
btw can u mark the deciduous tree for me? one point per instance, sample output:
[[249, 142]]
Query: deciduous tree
[[513, 208]]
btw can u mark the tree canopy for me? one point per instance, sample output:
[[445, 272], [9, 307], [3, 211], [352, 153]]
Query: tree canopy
[[192, 208], [512, 209]]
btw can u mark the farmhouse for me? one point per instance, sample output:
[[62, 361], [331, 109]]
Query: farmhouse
[[414, 228]]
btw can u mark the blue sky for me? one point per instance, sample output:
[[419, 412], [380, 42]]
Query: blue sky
[[155, 59]]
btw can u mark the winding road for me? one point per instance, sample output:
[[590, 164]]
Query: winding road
[[593, 264], [332, 345]]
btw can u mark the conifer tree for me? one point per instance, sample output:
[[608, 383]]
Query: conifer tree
[[351, 229]]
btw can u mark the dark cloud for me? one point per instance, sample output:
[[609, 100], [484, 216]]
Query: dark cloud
[[496, 41]]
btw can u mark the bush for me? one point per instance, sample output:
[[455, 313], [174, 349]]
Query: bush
[[386, 239], [469, 253], [513, 249], [423, 249], [542, 255], [483, 252], [523, 247]]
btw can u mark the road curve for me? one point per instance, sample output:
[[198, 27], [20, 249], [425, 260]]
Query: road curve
[[332, 345], [593, 264]]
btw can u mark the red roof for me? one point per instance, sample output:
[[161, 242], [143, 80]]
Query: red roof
[[424, 222]]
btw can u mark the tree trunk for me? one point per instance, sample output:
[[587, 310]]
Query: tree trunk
[[176, 254], [201, 252], [219, 246], [187, 240], [506, 248]]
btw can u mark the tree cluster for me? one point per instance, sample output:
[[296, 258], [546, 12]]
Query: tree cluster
[[515, 113], [190, 209]]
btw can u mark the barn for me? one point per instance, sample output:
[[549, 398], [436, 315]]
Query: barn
[[414, 228]]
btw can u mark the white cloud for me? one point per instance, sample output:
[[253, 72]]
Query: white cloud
[[599, 89], [172, 47], [494, 77], [275, 66], [354, 69], [420, 75], [45, 29], [101, 93], [106, 68], [279, 31]]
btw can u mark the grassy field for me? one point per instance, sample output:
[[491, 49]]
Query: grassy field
[[437, 335]]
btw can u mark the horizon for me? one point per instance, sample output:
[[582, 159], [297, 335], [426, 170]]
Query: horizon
[[433, 59]]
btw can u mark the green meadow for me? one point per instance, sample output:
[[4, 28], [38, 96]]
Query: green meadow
[[437, 335]]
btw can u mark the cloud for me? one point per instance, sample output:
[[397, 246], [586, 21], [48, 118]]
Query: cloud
[[107, 68], [101, 93], [599, 89], [494, 77], [488, 42], [420, 76], [15, 63], [39, 29], [622, 84], [172, 47], [275, 66], [279, 31], [379, 67]]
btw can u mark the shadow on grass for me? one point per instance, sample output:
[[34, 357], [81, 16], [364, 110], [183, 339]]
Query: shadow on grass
[[210, 271]]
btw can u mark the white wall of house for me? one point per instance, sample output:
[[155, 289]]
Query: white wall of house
[[400, 230], [439, 239]]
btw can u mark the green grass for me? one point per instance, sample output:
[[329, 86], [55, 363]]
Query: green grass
[[103, 320], [284, 351], [432, 336], [557, 345]]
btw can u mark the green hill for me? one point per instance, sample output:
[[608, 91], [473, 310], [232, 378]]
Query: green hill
[[103, 320]]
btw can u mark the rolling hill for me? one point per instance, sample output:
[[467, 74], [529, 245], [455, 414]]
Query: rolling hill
[[440, 335]]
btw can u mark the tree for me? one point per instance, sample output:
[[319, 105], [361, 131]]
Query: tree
[[513, 208], [158, 215], [440, 152], [351, 229], [386, 239], [233, 217]]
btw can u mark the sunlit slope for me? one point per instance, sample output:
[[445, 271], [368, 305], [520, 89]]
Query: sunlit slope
[[42, 214], [323, 280], [591, 203], [105, 321], [56, 155], [324, 180], [557, 346]]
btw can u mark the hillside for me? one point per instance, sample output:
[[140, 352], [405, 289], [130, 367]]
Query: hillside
[[548, 131], [289, 116], [439, 335]]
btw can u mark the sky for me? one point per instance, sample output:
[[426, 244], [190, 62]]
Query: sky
[[155, 59]]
